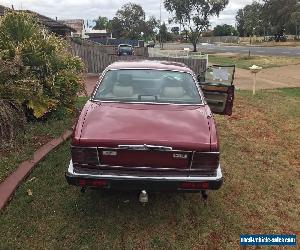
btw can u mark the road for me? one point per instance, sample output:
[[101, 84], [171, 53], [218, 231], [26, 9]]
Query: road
[[273, 51]]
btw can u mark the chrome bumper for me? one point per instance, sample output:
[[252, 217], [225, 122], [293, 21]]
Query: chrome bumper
[[218, 177]]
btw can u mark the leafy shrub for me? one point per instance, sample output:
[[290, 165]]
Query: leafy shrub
[[36, 68]]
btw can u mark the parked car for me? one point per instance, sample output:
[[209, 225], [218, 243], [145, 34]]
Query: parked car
[[125, 50], [148, 126]]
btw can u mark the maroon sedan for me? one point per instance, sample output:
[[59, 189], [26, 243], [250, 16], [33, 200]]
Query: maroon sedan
[[149, 126]]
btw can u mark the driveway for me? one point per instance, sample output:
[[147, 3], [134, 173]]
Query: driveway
[[90, 82], [278, 77]]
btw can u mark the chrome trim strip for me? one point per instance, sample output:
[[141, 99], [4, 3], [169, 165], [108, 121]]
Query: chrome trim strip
[[145, 147], [173, 150], [98, 156], [144, 168], [128, 177], [150, 103], [110, 167], [192, 159]]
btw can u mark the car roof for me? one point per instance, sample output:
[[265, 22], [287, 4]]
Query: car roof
[[148, 64]]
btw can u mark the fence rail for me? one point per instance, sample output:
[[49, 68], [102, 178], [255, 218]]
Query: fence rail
[[96, 59]]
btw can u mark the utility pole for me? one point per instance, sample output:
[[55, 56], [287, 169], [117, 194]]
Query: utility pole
[[160, 23]]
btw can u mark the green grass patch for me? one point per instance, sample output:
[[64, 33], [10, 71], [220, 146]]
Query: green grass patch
[[244, 62], [35, 135], [292, 92], [260, 155]]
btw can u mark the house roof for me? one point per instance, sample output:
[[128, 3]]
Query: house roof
[[43, 20], [49, 22], [2, 9], [77, 24]]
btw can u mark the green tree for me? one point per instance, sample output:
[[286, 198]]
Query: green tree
[[101, 23], [149, 30], [225, 30], [279, 14], [115, 27], [250, 20], [163, 34], [131, 17], [240, 22], [295, 19], [194, 15], [36, 68]]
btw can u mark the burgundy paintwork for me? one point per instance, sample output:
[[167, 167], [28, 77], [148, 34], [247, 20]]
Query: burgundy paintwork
[[101, 156], [181, 127], [112, 124]]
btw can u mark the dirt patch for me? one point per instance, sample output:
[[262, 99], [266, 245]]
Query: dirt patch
[[279, 77], [90, 82]]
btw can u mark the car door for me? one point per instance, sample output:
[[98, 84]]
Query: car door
[[218, 88]]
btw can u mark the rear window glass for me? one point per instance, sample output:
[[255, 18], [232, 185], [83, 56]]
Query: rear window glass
[[144, 85]]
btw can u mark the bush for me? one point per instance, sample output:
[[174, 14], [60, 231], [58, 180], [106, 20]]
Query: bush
[[36, 68]]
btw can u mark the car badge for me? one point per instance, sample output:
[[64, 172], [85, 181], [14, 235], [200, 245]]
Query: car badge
[[180, 156], [111, 153]]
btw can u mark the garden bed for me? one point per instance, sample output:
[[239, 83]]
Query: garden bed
[[34, 136]]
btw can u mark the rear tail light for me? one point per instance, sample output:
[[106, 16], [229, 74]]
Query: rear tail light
[[194, 185], [92, 183], [205, 161], [85, 156]]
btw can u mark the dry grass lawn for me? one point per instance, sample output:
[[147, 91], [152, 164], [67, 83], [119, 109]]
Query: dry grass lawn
[[260, 157]]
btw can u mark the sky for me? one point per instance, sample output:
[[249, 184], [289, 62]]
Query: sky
[[91, 9]]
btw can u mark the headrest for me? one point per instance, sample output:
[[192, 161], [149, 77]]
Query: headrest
[[125, 80], [171, 82], [122, 91], [173, 92]]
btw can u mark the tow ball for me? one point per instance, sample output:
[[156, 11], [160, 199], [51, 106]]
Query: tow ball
[[143, 197], [204, 195]]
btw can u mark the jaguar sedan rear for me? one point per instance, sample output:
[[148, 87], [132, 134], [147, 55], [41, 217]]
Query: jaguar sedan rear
[[147, 126]]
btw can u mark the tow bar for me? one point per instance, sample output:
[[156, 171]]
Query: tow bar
[[143, 197]]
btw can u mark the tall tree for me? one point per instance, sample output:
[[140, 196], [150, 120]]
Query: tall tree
[[101, 23], [115, 27], [194, 15], [163, 34], [131, 16], [240, 22], [279, 13], [225, 30], [149, 28], [250, 20], [295, 18]]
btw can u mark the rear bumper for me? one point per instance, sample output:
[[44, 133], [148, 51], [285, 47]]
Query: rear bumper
[[121, 182]]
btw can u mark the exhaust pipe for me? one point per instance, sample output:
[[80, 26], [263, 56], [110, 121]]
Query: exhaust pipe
[[143, 197]]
